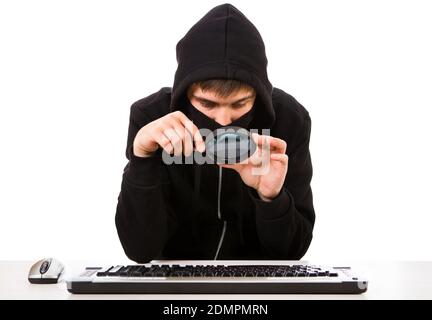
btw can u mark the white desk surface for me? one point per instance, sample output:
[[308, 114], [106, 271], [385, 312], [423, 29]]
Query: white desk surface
[[387, 280]]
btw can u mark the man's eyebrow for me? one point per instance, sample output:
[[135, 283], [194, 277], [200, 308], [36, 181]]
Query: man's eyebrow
[[215, 102]]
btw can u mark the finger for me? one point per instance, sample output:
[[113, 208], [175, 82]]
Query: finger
[[164, 142], [175, 140], [193, 129], [196, 136], [261, 157], [256, 158], [185, 136], [259, 139], [188, 143], [276, 144], [265, 150], [282, 157]]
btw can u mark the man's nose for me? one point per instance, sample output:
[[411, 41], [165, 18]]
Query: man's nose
[[223, 117]]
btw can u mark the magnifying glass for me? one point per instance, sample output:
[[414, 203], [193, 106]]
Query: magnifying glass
[[230, 145]]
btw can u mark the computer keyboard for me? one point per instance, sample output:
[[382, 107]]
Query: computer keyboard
[[217, 278]]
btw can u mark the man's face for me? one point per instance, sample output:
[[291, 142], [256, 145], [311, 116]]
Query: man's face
[[222, 110]]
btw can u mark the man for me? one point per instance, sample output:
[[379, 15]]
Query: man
[[217, 211]]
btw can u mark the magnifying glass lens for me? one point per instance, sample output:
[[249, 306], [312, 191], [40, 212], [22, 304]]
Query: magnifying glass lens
[[230, 145]]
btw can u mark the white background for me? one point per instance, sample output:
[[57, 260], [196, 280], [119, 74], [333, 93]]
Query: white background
[[69, 71]]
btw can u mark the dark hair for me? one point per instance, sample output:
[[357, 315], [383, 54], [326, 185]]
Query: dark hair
[[223, 87]]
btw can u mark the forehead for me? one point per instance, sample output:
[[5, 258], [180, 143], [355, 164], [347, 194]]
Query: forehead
[[212, 95]]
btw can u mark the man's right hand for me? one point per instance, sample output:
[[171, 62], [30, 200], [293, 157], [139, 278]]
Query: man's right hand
[[174, 133]]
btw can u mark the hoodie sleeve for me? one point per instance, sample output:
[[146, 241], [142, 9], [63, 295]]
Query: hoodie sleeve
[[284, 225], [143, 218]]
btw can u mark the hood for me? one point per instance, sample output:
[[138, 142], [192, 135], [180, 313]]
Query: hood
[[224, 44]]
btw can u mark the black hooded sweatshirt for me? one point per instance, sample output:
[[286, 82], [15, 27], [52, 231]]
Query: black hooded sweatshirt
[[191, 211]]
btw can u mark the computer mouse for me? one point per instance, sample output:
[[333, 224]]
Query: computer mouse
[[230, 145], [46, 270]]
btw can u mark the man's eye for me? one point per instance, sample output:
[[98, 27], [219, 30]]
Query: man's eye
[[240, 105], [207, 104]]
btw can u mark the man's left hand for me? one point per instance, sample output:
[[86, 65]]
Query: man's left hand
[[266, 169]]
